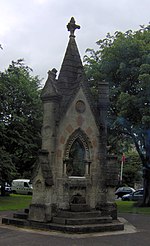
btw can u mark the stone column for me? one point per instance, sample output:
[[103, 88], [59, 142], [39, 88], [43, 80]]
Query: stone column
[[103, 107], [87, 167], [51, 100]]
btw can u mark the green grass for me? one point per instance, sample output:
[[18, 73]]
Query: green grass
[[129, 207], [14, 202], [17, 202]]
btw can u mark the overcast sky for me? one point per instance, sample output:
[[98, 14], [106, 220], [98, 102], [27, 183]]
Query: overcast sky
[[36, 29]]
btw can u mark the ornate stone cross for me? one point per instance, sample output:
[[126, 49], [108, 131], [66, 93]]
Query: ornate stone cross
[[72, 27]]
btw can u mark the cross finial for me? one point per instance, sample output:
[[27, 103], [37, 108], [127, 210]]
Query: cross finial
[[52, 73], [72, 27]]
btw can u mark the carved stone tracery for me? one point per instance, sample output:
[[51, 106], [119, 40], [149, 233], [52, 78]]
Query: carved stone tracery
[[80, 136]]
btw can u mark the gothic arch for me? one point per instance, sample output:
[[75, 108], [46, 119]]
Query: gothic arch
[[77, 154], [83, 138]]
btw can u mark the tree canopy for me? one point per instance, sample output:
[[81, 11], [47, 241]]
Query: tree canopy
[[132, 169], [124, 60], [20, 120]]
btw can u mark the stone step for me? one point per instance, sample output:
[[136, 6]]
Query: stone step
[[15, 221], [82, 221], [20, 215], [79, 208], [69, 214], [114, 226]]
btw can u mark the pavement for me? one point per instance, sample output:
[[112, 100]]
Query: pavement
[[136, 233]]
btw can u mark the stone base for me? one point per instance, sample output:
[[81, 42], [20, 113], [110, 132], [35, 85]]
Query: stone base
[[108, 209], [66, 221], [71, 222], [40, 212]]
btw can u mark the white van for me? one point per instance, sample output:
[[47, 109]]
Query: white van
[[21, 186]]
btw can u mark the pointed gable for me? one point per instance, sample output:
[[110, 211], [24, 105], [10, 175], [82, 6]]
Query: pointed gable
[[72, 77], [50, 91]]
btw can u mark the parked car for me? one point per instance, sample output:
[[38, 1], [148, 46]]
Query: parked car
[[123, 191], [7, 189], [135, 196]]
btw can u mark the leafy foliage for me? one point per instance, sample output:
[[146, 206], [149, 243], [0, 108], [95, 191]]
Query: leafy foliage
[[132, 170], [124, 60], [20, 120]]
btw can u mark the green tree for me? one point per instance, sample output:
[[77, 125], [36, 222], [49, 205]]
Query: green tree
[[20, 120], [124, 60], [132, 170]]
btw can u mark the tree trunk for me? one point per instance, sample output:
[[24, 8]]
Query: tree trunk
[[146, 197], [146, 171], [3, 189], [146, 166]]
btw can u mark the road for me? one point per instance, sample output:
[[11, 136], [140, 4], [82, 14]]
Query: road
[[137, 233]]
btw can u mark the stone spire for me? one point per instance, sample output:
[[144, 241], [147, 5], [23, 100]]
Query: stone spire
[[68, 79]]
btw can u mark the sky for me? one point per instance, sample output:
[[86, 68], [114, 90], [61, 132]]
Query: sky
[[35, 30]]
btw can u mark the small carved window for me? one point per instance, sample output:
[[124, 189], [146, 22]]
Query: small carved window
[[80, 106]]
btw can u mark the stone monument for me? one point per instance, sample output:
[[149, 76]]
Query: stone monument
[[74, 177]]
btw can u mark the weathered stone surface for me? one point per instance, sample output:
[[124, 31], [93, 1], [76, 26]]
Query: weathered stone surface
[[79, 207], [40, 212], [20, 215], [86, 228], [108, 209], [82, 221], [112, 171]]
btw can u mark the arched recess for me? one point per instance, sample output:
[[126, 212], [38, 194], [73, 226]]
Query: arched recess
[[77, 154]]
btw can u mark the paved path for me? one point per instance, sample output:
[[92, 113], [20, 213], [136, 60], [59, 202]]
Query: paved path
[[137, 233]]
